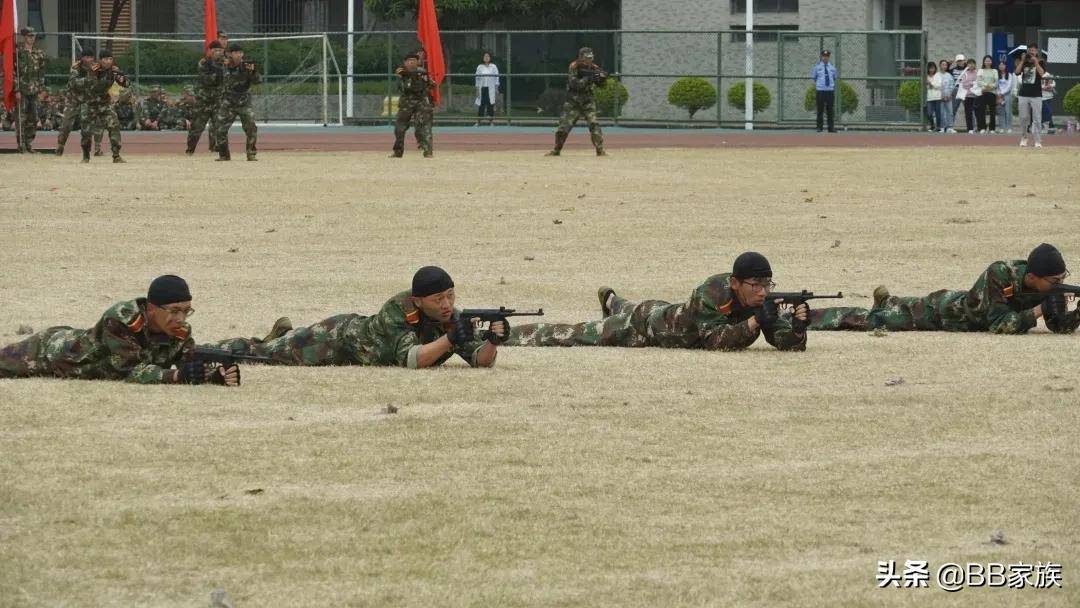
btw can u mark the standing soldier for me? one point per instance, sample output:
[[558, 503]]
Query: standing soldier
[[726, 312], [414, 106], [207, 97], [98, 112], [145, 340], [580, 101], [1008, 298], [238, 78], [417, 328], [31, 70], [127, 112], [151, 108], [74, 98]]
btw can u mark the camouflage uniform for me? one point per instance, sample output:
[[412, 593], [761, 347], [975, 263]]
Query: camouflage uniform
[[127, 112], [712, 319], [185, 111], [391, 337], [98, 113], [207, 97], [150, 109], [171, 118], [997, 304], [31, 68], [43, 110], [580, 103], [236, 102], [414, 108], [74, 99], [119, 347]]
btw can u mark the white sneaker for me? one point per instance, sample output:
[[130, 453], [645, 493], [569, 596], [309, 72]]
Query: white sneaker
[[1009, 131], [1038, 145], [1023, 142], [982, 132], [952, 130]]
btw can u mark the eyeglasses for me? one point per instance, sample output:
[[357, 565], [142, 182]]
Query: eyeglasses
[[760, 286], [183, 313], [1057, 280]]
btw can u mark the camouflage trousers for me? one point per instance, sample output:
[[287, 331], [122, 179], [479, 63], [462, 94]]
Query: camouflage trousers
[[27, 117], [98, 117], [204, 111], [30, 356], [67, 123], [324, 343], [630, 324], [418, 113], [573, 111], [225, 115], [942, 310]]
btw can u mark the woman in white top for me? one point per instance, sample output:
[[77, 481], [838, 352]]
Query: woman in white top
[[933, 97], [948, 90], [1006, 91], [487, 88], [1049, 87]]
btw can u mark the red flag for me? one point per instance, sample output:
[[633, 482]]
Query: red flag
[[210, 31], [427, 30], [9, 20]]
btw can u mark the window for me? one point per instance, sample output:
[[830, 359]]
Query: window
[[766, 6], [155, 16], [300, 15], [761, 32]]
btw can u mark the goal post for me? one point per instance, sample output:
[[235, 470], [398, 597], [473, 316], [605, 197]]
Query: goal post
[[301, 80]]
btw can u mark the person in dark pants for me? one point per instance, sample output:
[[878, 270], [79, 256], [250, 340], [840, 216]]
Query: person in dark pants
[[487, 89], [824, 76]]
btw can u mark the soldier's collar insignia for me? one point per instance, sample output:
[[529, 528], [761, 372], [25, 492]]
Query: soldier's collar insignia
[[412, 317], [725, 308], [1008, 291], [137, 323], [182, 333]]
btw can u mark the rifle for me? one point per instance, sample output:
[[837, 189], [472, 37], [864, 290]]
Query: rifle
[[1066, 289], [597, 76], [795, 298], [224, 357], [490, 315]]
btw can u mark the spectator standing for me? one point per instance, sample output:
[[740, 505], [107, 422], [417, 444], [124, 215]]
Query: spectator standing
[[824, 76], [1006, 92], [1049, 88], [959, 65], [487, 89], [967, 90], [933, 97], [948, 92], [986, 103], [1029, 71]]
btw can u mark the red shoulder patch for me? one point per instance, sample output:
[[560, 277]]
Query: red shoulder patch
[[725, 308], [412, 317], [182, 333], [137, 323], [1008, 291]]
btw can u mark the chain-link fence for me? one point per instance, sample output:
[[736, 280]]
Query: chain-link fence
[[645, 65], [1063, 61]]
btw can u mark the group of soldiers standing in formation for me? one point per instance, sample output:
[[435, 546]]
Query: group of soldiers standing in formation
[[221, 94], [148, 340]]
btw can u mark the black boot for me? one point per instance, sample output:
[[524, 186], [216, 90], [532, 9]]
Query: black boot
[[86, 152]]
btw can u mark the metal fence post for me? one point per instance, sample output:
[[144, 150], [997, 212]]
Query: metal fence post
[[509, 79], [836, 85], [269, 78], [137, 65], [780, 77], [719, 76], [618, 101], [389, 75]]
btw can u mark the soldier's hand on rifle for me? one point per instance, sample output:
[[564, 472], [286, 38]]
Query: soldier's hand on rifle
[[499, 332], [799, 317], [766, 315], [462, 331], [226, 376], [191, 372]]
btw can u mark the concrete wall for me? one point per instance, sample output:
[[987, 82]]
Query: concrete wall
[[951, 28]]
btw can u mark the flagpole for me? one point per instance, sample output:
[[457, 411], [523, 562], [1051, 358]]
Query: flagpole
[[349, 60], [749, 100]]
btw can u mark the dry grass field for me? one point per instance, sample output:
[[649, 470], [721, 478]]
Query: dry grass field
[[563, 477]]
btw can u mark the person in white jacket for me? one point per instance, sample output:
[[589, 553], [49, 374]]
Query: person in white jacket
[[1006, 92], [487, 89], [933, 98]]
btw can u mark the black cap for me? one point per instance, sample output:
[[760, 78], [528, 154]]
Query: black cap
[[1045, 261], [430, 280], [104, 54], [215, 44], [751, 265], [412, 56], [168, 289], [233, 46], [826, 52]]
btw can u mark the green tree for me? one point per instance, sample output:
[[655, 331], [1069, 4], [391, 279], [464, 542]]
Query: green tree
[[692, 94], [1072, 101], [607, 95], [736, 97], [849, 99], [910, 96]]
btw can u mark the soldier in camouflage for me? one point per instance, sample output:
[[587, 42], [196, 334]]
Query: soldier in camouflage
[[237, 79], [580, 102], [211, 71], [150, 110], [145, 341], [127, 112], [43, 107], [1008, 298], [415, 107], [98, 112], [185, 109], [415, 329], [74, 98], [30, 66], [726, 312]]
